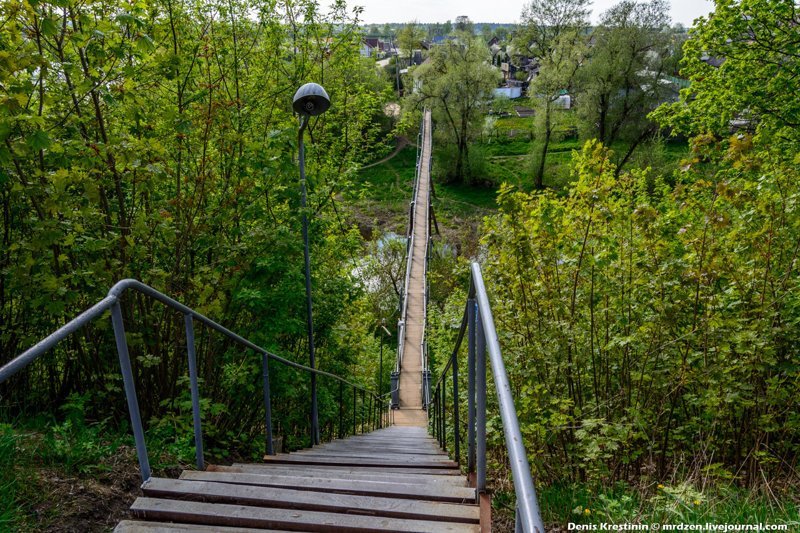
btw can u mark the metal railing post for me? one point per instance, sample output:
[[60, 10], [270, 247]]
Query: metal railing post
[[471, 336], [438, 417], [444, 417], [432, 417], [267, 403], [395, 381], [441, 415], [456, 421], [130, 389], [370, 412], [480, 407], [188, 321], [361, 411], [341, 411]]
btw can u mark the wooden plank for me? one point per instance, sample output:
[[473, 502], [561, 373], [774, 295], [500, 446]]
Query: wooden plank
[[346, 474], [310, 501], [434, 493], [404, 440], [386, 448], [398, 438], [296, 520], [401, 432], [393, 430], [136, 526], [397, 443], [388, 443], [365, 469], [385, 457], [357, 461]]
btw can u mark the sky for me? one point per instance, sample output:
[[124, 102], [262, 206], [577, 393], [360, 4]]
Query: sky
[[380, 11]]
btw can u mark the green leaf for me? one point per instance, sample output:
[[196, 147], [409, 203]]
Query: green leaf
[[38, 140], [49, 26]]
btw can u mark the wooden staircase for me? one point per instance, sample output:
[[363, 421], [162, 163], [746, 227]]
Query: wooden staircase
[[393, 479]]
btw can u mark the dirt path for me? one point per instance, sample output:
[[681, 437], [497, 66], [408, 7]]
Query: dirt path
[[402, 142]]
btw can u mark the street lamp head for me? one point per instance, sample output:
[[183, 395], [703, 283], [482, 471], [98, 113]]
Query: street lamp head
[[311, 99]]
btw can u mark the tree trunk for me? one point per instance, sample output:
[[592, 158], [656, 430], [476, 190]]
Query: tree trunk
[[539, 178]]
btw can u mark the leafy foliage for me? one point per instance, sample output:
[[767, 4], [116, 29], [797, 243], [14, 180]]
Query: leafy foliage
[[154, 139], [647, 323]]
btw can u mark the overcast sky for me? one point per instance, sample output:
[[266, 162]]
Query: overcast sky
[[379, 11]]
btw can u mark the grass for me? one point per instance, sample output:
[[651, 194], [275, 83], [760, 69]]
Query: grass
[[41, 464], [74, 474], [382, 192], [461, 199], [10, 513], [562, 504], [519, 125], [392, 181]]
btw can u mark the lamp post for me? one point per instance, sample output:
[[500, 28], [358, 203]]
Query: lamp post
[[380, 369], [309, 100]]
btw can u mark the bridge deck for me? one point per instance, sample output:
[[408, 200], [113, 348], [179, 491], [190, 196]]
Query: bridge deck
[[393, 479], [411, 412]]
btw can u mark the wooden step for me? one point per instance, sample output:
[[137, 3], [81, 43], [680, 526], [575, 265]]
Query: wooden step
[[362, 468], [377, 448], [138, 526], [387, 441], [281, 498], [216, 514], [416, 444], [391, 458], [344, 473], [407, 491], [358, 461]]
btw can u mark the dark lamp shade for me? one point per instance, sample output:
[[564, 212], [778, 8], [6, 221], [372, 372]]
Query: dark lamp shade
[[311, 99]]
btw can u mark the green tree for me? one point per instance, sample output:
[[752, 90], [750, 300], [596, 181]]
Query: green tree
[[155, 140], [502, 33], [457, 83], [756, 43], [545, 22], [447, 28], [623, 78], [553, 30], [464, 24], [410, 38]]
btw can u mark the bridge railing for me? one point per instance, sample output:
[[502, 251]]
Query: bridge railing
[[372, 416], [477, 324], [426, 373]]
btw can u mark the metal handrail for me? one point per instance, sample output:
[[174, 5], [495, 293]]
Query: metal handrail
[[112, 302], [478, 325]]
